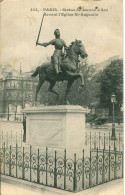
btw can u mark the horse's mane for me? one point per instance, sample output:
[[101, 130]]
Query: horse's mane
[[71, 44], [69, 47]]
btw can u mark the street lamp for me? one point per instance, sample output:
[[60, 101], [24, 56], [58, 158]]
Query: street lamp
[[113, 100]]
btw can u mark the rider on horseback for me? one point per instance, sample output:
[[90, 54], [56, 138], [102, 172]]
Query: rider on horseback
[[58, 54], [69, 65]]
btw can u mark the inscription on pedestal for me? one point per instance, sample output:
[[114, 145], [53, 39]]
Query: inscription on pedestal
[[45, 130]]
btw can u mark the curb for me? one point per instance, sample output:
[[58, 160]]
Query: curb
[[33, 186], [42, 188]]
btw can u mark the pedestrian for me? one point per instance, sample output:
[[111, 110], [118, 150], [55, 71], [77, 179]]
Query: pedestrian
[[24, 129]]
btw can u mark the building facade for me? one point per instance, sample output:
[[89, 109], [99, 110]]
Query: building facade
[[16, 91]]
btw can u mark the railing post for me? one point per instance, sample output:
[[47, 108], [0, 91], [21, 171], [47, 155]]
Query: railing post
[[30, 163], [4, 151], [95, 141], [55, 172], [7, 140], [83, 171], [21, 138], [16, 158], [2, 140], [115, 168], [11, 139], [90, 175], [99, 140], [97, 167], [119, 141], [103, 170], [64, 169], [46, 166], [10, 161], [90, 140], [104, 141], [38, 172], [74, 179], [109, 162], [16, 137], [23, 168], [122, 164], [86, 139], [109, 139], [114, 144]]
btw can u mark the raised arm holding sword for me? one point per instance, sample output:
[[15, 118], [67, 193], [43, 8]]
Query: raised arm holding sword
[[58, 43]]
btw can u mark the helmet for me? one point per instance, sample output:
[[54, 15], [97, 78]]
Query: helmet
[[55, 31]]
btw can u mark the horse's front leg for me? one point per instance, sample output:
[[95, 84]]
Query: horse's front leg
[[38, 88], [69, 84], [82, 79]]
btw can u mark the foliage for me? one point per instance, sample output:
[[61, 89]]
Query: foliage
[[111, 82]]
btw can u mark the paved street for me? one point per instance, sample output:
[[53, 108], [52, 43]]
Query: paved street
[[15, 126], [105, 128], [11, 126], [11, 133], [20, 187]]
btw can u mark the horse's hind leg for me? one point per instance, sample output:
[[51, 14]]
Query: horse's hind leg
[[52, 84], [70, 82], [38, 88]]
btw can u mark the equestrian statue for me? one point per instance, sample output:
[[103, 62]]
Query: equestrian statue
[[63, 66]]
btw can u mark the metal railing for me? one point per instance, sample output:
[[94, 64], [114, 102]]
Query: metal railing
[[104, 141], [11, 138], [58, 170], [14, 117]]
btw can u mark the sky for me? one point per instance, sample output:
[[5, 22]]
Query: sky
[[101, 35]]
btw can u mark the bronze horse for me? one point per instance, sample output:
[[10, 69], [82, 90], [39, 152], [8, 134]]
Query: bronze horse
[[69, 67]]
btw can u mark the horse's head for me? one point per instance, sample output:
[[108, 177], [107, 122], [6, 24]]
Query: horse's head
[[79, 49]]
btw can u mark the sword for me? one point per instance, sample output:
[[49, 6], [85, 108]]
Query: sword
[[39, 30]]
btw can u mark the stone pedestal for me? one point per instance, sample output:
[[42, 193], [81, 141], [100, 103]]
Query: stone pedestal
[[56, 126]]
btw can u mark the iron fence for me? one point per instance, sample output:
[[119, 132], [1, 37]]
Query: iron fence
[[58, 170], [11, 138], [104, 141], [11, 117], [100, 140]]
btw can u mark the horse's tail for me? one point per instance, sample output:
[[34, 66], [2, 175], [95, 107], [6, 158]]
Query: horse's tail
[[36, 72]]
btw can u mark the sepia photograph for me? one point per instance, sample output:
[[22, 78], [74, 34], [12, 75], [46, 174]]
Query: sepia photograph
[[61, 97]]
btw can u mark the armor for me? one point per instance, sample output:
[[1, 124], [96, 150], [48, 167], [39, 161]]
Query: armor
[[58, 54]]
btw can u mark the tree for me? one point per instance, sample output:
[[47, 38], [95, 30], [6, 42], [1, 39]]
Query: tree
[[111, 82]]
